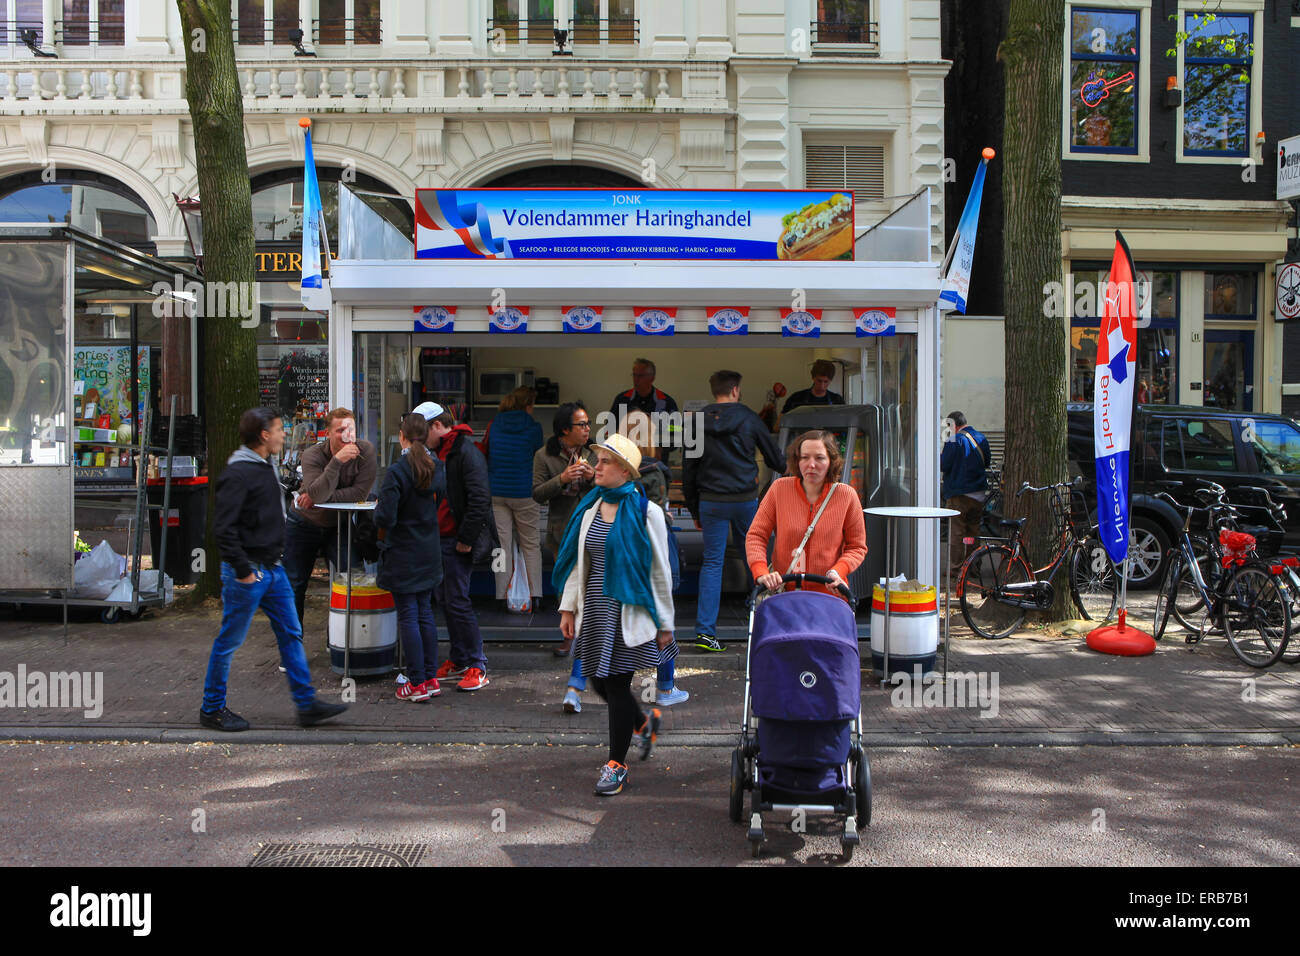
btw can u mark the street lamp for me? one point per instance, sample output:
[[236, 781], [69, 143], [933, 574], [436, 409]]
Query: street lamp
[[192, 215]]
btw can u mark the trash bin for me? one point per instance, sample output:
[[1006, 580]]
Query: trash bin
[[186, 526], [373, 649], [913, 630]]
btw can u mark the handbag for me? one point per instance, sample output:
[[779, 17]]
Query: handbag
[[797, 553]]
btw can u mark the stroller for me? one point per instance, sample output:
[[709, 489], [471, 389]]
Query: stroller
[[803, 683]]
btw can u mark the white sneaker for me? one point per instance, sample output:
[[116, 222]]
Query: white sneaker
[[572, 702]]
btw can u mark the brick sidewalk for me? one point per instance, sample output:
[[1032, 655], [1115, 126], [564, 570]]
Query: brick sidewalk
[[153, 683]]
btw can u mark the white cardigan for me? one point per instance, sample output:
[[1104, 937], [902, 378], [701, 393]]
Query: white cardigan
[[638, 625]]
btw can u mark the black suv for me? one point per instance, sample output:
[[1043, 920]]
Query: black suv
[[1174, 443]]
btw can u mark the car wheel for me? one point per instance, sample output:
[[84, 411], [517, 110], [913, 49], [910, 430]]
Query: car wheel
[[1147, 543]]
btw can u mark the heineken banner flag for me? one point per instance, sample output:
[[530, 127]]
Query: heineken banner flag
[[509, 319], [655, 321], [713, 224], [434, 318], [874, 321], [582, 318], [725, 320], [801, 323], [1113, 401]]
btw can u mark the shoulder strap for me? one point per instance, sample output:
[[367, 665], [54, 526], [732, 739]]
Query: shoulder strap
[[798, 552], [974, 444]]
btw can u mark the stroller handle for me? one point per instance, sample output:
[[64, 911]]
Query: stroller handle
[[800, 579]]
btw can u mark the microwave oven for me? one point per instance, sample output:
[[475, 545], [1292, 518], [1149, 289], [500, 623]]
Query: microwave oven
[[493, 384]]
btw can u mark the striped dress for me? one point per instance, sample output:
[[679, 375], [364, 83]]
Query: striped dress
[[600, 645]]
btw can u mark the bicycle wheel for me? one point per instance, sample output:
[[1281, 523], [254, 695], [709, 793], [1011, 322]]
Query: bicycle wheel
[[1093, 580], [1256, 616], [1165, 596], [1187, 600], [988, 570]]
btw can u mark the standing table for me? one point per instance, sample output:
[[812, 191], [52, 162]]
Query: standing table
[[350, 509], [891, 514]]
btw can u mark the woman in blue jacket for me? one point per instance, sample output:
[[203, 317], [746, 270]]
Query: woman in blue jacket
[[410, 555], [510, 444]]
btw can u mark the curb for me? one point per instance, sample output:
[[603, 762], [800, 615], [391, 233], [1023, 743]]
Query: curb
[[876, 740]]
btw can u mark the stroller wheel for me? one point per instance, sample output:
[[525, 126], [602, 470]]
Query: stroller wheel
[[862, 786], [737, 804], [756, 848]]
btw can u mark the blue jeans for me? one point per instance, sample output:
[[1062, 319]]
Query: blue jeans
[[466, 643], [717, 518], [272, 593], [667, 672], [419, 634], [303, 543]]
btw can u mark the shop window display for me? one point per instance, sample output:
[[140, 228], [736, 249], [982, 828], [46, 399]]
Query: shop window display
[[1104, 70], [1157, 360]]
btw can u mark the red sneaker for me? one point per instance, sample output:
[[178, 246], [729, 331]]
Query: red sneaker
[[474, 679], [430, 688], [412, 692], [449, 671]]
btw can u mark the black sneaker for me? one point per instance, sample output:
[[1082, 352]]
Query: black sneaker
[[223, 719], [318, 711], [706, 643]]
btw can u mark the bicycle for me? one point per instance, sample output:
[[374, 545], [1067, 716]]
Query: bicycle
[[996, 587], [1238, 591], [991, 514]]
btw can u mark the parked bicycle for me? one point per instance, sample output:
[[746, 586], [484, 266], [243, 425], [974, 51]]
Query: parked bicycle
[[991, 516], [1218, 582], [996, 587]]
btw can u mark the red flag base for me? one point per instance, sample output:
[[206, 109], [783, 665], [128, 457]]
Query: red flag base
[[1121, 639]]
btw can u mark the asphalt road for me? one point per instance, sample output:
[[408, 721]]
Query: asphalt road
[[214, 804]]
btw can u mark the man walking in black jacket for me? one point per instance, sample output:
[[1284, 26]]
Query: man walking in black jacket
[[250, 533], [721, 489], [467, 534]]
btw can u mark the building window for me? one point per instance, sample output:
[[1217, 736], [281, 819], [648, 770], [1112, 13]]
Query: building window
[[845, 21], [1105, 73], [21, 15], [348, 21], [1230, 295], [840, 166], [1216, 85], [536, 25], [250, 20], [1157, 359], [94, 21], [604, 21]]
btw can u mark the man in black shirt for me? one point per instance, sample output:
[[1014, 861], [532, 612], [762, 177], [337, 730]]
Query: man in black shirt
[[249, 530], [823, 371]]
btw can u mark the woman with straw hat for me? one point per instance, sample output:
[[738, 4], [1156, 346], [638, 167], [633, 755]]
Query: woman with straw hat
[[613, 574]]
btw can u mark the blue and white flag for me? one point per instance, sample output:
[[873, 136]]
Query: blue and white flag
[[655, 321], [801, 323], [727, 320], [434, 318], [956, 287], [509, 319], [581, 318], [315, 290], [1113, 402]]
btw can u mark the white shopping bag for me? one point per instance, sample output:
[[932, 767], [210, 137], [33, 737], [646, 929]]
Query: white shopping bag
[[519, 598], [95, 575]]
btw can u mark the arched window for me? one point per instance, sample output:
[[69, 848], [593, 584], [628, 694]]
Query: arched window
[[564, 176], [278, 196], [90, 201]]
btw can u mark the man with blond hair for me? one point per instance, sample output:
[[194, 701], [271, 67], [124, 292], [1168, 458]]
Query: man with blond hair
[[341, 468]]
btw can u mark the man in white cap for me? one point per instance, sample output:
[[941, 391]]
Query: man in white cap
[[468, 535]]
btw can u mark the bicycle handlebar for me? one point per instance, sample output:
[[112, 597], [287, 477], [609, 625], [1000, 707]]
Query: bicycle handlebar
[[1074, 483], [800, 579]]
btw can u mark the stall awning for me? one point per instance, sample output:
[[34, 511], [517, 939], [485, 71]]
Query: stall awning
[[631, 283]]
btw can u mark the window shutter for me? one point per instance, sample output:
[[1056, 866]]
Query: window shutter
[[859, 168]]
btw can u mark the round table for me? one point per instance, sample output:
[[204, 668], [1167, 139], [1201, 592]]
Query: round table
[[350, 508], [891, 514]]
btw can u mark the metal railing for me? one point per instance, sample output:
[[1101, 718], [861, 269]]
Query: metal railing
[[592, 30], [862, 33], [536, 32], [253, 32], [330, 31]]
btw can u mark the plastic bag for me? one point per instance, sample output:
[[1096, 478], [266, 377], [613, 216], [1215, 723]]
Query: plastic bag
[[95, 575], [519, 598], [148, 588]]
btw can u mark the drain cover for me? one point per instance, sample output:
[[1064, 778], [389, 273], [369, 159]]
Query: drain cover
[[339, 854]]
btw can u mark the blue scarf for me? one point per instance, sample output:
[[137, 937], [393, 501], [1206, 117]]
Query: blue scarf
[[628, 556]]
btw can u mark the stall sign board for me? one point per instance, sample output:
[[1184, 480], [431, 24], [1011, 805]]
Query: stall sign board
[[1288, 168], [739, 224]]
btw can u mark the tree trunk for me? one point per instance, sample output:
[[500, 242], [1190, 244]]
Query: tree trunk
[[229, 353], [1036, 355]]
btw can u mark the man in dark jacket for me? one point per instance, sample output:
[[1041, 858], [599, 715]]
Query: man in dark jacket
[[721, 489], [467, 534], [963, 464], [337, 469], [250, 532]]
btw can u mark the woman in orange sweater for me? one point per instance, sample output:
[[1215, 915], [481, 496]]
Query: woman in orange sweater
[[838, 543]]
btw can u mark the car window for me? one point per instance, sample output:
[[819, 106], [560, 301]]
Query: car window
[[1277, 447], [1198, 445]]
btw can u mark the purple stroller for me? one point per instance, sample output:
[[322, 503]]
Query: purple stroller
[[803, 684]]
